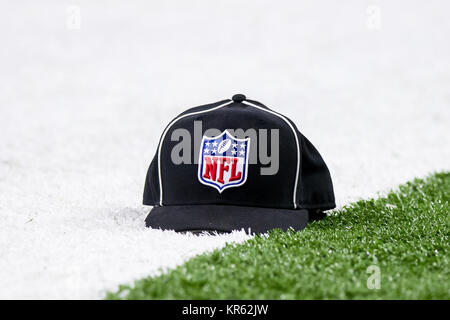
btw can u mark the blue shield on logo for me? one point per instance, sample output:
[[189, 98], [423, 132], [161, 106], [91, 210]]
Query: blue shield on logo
[[223, 161]]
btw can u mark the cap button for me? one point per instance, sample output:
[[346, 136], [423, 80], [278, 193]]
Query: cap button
[[239, 97]]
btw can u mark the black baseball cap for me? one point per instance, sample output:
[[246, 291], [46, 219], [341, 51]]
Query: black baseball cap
[[226, 182]]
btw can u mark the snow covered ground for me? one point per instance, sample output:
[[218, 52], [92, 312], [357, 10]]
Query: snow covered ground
[[81, 111]]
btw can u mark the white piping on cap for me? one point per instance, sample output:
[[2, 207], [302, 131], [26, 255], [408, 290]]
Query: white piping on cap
[[164, 135], [296, 141]]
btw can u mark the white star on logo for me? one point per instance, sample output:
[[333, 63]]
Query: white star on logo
[[234, 152], [242, 146], [234, 145], [241, 153], [206, 150], [215, 144], [214, 151], [207, 144]]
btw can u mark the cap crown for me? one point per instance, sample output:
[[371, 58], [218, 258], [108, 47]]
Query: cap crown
[[302, 180]]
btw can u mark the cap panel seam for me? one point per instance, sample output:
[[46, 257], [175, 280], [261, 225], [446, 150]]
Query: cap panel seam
[[164, 135], [296, 142]]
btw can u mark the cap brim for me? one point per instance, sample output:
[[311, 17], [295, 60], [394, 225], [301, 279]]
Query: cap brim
[[225, 218]]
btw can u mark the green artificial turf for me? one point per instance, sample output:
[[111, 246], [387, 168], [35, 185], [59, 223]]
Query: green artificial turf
[[405, 235]]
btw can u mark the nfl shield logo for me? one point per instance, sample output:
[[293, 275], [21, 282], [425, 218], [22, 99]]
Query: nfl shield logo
[[223, 161]]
